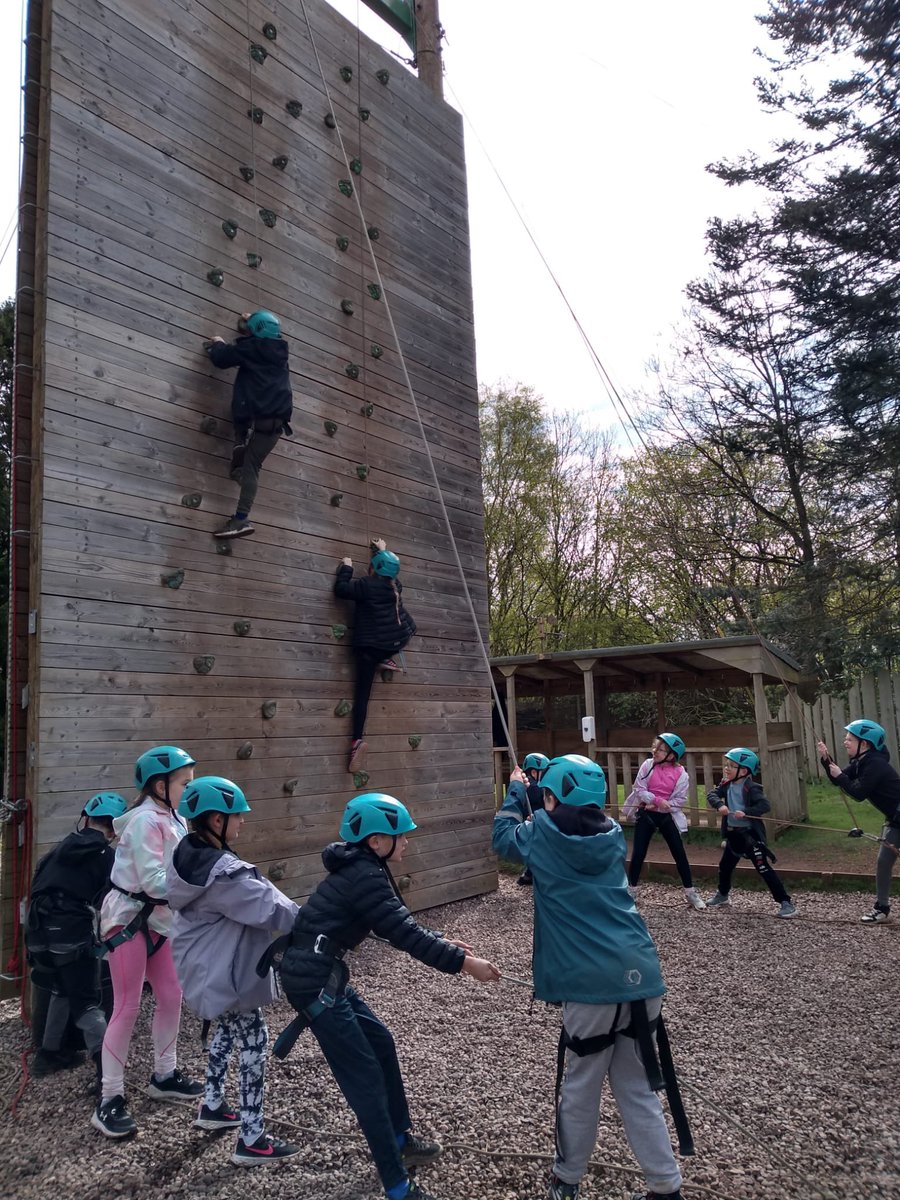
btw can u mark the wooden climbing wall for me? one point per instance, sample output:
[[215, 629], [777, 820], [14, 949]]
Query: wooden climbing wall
[[143, 134]]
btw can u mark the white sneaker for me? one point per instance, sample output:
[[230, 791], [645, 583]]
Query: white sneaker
[[877, 916], [694, 899]]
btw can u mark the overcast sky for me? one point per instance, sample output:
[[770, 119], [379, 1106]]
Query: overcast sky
[[600, 118]]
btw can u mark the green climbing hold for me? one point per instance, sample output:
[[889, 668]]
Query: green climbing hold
[[367, 410], [247, 173], [245, 750], [267, 217], [258, 53], [338, 631], [255, 115], [342, 708], [294, 108], [347, 307], [375, 350], [280, 161], [203, 663], [374, 291], [330, 121], [209, 425], [269, 31], [336, 499], [290, 786], [216, 276], [415, 740], [364, 114], [331, 428], [192, 500], [269, 709], [373, 233], [277, 871], [230, 228], [173, 579], [362, 471], [346, 73], [342, 243], [383, 76], [345, 187], [360, 778], [254, 260], [356, 166], [404, 883], [241, 628], [223, 547], [352, 370]]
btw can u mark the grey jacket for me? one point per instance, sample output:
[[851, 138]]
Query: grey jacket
[[224, 915]]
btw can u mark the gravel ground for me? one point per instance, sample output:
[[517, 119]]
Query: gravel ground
[[783, 1031]]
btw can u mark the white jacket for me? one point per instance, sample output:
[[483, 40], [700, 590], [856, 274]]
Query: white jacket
[[147, 837], [640, 794]]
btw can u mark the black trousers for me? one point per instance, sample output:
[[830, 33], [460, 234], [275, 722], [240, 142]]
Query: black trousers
[[741, 842], [368, 660], [646, 825]]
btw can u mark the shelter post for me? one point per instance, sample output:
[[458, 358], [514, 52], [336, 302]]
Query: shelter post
[[586, 665], [661, 721], [509, 673], [761, 709]]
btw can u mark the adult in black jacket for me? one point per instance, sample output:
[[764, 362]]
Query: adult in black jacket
[[870, 776], [381, 628], [358, 896]]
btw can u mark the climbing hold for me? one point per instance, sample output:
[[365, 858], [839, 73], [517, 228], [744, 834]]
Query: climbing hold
[[375, 350], [290, 786], [331, 428], [269, 709], [241, 628], [294, 108], [223, 547], [352, 370], [280, 161], [209, 425], [367, 410], [173, 579], [414, 740], [277, 871], [356, 166], [345, 186], [254, 261], [258, 53], [247, 173], [255, 115], [216, 276], [360, 778], [404, 883], [346, 73], [330, 121], [336, 499], [342, 708], [192, 500], [347, 307], [364, 114], [338, 631], [374, 291], [269, 31], [267, 217], [229, 228], [245, 751], [362, 470], [383, 76], [373, 233], [342, 243], [203, 663]]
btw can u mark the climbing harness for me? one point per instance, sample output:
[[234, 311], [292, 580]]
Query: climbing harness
[[320, 944], [137, 924]]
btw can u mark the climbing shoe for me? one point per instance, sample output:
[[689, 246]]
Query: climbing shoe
[[786, 909], [263, 1152], [235, 527], [419, 1152], [48, 1062], [176, 1089], [694, 899], [879, 914], [357, 750], [718, 901], [560, 1190], [113, 1119], [223, 1117]]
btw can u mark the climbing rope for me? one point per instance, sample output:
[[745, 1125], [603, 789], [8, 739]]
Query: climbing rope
[[257, 258]]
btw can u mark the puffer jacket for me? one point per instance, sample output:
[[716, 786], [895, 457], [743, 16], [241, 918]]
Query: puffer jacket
[[223, 914], [871, 777], [755, 805], [147, 837], [381, 621], [262, 386], [357, 897], [590, 943]]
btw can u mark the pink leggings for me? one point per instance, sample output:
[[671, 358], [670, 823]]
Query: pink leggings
[[129, 966]]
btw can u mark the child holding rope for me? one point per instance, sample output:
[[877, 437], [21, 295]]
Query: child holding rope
[[870, 776], [594, 956], [656, 804], [534, 766], [740, 802], [135, 922], [381, 628]]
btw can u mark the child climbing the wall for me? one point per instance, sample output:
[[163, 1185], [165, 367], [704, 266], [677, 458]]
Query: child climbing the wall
[[870, 776], [594, 956], [359, 896], [261, 405], [656, 804], [134, 922], [381, 628], [224, 912], [740, 802], [61, 933]]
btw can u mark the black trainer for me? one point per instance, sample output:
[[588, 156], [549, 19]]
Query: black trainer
[[558, 1189], [177, 1089], [264, 1151], [223, 1117], [48, 1062], [113, 1119], [418, 1152]]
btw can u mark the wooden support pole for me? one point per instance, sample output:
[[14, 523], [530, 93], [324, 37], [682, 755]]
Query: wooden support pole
[[761, 709], [510, 674], [428, 46], [590, 710], [661, 721]]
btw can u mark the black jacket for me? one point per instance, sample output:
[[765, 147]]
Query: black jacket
[[262, 386], [69, 884], [871, 777], [381, 621], [755, 805], [357, 897]]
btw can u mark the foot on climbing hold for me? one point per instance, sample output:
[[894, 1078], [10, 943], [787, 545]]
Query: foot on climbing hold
[[357, 750], [235, 527], [389, 665]]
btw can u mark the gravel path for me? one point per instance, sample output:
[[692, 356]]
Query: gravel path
[[790, 1026]]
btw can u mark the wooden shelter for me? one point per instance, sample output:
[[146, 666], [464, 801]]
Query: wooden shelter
[[186, 161], [593, 675]]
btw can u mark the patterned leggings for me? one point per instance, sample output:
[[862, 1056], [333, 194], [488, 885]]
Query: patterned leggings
[[248, 1031]]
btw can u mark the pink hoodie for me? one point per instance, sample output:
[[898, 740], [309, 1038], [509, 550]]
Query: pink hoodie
[[663, 783]]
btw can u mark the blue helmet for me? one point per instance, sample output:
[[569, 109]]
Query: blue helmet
[[212, 793], [386, 563], [867, 731], [674, 742], [104, 804], [374, 812], [574, 779], [743, 757], [535, 762], [161, 760], [263, 324]]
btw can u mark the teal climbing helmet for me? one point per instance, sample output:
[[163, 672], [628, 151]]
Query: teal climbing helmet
[[574, 779], [535, 762], [674, 742], [161, 760], [212, 793], [743, 757], [867, 731], [374, 812], [263, 324], [104, 804], [386, 563]]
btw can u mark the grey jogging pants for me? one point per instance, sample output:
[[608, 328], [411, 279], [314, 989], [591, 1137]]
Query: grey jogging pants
[[884, 865]]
